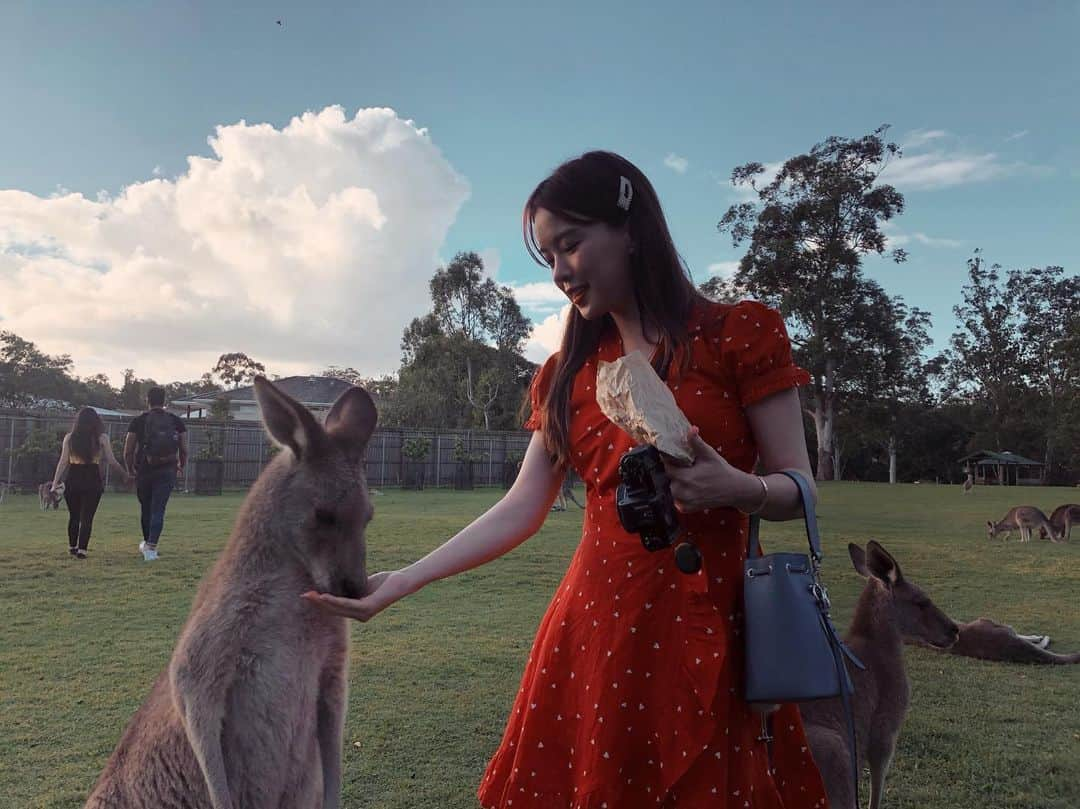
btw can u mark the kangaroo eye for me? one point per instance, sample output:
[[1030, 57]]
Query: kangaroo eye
[[325, 517]]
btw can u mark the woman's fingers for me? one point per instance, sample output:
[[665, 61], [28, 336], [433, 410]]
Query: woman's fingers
[[375, 600], [360, 609]]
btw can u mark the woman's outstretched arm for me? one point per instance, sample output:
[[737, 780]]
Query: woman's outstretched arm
[[500, 529]]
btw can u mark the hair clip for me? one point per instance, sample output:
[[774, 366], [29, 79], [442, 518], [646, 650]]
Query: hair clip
[[626, 194]]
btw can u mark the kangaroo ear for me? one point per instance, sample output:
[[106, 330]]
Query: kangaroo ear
[[858, 559], [288, 422], [881, 564], [990, 524], [352, 421]]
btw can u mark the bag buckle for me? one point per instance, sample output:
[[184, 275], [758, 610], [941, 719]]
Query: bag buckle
[[821, 596]]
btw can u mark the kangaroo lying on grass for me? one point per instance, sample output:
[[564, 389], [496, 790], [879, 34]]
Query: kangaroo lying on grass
[[250, 710], [889, 609], [988, 640], [1022, 519]]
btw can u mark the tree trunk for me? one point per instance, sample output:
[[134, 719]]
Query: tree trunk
[[1048, 457], [892, 459], [823, 426], [824, 421]]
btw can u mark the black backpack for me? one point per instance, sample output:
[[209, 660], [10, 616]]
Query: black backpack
[[160, 443]]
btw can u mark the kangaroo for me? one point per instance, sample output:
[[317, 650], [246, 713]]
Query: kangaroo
[[49, 497], [969, 485], [1022, 518], [889, 609], [250, 711], [1062, 521], [988, 640]]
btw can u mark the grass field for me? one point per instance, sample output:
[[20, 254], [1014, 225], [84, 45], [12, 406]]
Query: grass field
[[433, 677]]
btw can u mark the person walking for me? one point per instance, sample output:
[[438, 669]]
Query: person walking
[[156, 451], [79, 470]]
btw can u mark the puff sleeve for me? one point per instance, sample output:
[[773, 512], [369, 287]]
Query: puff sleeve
[[538, 390], [755, 351]]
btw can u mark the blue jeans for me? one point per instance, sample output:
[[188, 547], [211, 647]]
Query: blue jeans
[[153, 488]]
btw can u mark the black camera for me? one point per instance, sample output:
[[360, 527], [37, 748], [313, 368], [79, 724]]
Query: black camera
[[645, 506]]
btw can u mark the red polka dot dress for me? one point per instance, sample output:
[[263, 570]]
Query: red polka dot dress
[[632, 695]]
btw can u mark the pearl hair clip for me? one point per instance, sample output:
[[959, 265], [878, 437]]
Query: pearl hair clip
[[626, 194]]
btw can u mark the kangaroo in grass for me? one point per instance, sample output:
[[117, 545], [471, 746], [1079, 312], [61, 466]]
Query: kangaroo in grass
[[988, 640], [889, 609], [249, 712], [1022, 519], [1062, 520]]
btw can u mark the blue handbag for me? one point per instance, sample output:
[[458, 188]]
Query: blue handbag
[[793, 651]]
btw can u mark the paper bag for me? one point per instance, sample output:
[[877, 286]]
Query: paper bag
[[632, 396]]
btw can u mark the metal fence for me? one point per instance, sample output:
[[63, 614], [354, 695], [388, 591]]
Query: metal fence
[[245, 450]]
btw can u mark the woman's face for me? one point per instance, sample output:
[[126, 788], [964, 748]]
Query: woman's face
[[590, 263]]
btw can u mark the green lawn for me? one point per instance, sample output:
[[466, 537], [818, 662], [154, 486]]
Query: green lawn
[[432, 678]]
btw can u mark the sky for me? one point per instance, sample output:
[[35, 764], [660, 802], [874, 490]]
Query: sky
[[180, 180]]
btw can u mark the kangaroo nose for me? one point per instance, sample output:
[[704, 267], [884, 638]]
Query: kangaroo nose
[[350, 590]]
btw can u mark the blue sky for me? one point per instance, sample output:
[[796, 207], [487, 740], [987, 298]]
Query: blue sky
[[986, 95]]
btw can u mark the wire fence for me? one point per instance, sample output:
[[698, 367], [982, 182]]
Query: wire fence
[[244, 450]]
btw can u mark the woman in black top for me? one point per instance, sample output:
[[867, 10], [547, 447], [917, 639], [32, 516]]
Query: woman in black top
[[80, 462]]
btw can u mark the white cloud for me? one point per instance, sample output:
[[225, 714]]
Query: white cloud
[[1023, 133], [676, 163], [932, 241], [725, 269], [919, 137], [541, 295], [157, 171], [943, 169], [929, 162], [303, 246], [895, 237], [546, 335]]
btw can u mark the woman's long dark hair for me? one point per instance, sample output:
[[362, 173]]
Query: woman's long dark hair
[[86, 433], [588, 189]]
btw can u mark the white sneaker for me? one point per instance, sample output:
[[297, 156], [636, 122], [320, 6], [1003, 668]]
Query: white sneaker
[[148, 554]]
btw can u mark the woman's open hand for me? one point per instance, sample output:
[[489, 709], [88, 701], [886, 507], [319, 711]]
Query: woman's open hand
[[383, 590]]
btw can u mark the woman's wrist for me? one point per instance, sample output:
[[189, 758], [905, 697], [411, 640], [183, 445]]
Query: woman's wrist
[[754, 494], [413, 577]]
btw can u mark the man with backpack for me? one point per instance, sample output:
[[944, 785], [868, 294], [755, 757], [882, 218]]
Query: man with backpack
[[155, 450]]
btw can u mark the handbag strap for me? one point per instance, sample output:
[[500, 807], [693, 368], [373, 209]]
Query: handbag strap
[[847, 688], [753, 543]]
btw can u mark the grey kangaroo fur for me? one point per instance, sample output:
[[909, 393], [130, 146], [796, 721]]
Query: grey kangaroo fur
[[985, 639], [250, 711], [889, 609]]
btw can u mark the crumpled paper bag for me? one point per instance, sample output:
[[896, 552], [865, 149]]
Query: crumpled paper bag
[[632, 396]]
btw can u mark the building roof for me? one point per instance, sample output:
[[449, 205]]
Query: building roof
[[312, 391], [1005, 457]]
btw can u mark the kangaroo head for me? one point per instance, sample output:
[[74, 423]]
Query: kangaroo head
[[991, 529], [917, 617], [319, 503]]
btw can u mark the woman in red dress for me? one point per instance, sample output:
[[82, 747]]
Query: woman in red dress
[[632, 694]]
